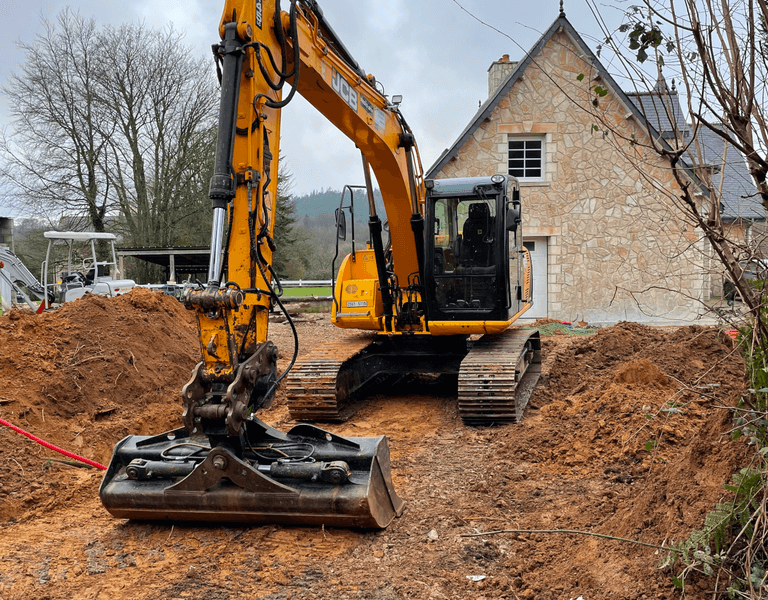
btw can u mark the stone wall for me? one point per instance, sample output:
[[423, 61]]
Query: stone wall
[[617, 246]]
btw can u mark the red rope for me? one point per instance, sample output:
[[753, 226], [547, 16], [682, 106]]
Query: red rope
[[52, 447]]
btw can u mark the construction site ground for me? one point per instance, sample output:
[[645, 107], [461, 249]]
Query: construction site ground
[[627, 435]]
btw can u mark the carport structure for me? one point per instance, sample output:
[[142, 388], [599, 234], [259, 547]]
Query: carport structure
[[175, 260]]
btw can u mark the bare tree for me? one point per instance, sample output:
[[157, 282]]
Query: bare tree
[[55, 151], [113, 122], [717, 51], [163, 103]]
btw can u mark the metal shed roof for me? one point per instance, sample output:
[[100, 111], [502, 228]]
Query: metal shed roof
[[80, 236]]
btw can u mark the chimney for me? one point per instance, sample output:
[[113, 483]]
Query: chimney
[[498, 72]]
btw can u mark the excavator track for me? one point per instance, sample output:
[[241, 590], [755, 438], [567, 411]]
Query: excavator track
[[312, 389], [497, 377]]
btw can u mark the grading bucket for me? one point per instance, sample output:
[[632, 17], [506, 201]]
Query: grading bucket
[[307, 476]]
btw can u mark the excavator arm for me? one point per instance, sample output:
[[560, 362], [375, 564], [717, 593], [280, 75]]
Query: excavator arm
[[263, 48], [14, 273], [225, 464]]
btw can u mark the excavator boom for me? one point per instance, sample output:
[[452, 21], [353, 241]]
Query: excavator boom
[[225, 464], [13, 274]]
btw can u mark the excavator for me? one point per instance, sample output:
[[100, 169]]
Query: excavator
[[15, 276], [438, 296]]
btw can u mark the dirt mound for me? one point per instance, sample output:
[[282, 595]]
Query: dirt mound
[[627, 435], [632, 388], [642, 411], [640, 372], [87, 374]]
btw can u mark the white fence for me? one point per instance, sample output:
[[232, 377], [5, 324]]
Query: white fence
[[293, 283]]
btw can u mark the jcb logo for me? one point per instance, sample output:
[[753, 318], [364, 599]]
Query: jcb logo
[[259, 12], [343, 89]]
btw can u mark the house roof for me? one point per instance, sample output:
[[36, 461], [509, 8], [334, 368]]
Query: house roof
[[486, 109], [739, 196], [662, 108]]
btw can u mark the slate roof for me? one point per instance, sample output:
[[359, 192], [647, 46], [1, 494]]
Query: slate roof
[[739, 197], [739, 194], [661, 107]]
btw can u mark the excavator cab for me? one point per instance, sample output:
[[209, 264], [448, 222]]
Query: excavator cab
[[472, 249], [88, 268]]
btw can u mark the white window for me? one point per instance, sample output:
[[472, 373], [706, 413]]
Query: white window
[[525, 158]]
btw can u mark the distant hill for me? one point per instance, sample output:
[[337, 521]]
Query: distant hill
[[325, 202]]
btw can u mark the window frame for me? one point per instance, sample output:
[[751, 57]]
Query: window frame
[[542, 159]]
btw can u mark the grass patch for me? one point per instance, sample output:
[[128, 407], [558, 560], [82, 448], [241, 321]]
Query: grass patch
[[315, 307], [550, 329], [301, 292]]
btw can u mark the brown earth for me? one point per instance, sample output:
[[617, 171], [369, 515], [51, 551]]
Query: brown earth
[[626, 435]]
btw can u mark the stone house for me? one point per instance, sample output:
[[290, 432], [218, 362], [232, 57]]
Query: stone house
[[600, 213], [719, 164]]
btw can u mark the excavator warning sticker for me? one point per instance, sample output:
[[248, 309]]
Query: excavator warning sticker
[[380, 120], [366, 105], [343, 89]]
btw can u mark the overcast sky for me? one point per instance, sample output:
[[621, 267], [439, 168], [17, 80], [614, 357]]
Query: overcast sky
[[430, 51]]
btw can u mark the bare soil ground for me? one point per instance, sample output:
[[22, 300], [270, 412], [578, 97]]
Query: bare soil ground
[[96, 370]]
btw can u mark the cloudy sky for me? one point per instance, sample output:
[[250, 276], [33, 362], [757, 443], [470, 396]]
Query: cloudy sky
[[430, 51]]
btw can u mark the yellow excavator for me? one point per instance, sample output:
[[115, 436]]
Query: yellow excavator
[[453, 267]]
